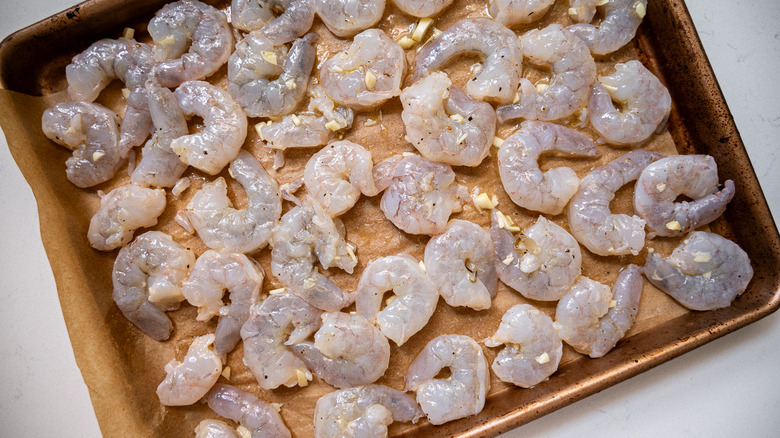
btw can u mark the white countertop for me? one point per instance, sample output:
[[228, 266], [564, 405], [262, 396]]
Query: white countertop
[[726, 388]]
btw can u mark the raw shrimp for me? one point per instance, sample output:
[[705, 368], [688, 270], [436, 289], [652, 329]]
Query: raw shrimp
[[127, 60], [512, 12], [590, 218], [147, 274], [367, 74], [541, 264], [706, 272], [193, 27], [347, 17], [460, 395], [160, 166], [337, 174], [122, 211], [621, 20], [695, 176], [533, 348], [280, 320], [212, 274], [252, 15], [256, 61], [498, 46], [645, 103], [592, 319], [91, 132], [573, 74], [583, 11], [347, 351], [422, 8], [412, 303], [365, 411], [260, 417], [223, 227], [214, 429], [224, 131], [307, 234], [188, 381], [461, 263], [546, 192], [422, 195], [445, 124]]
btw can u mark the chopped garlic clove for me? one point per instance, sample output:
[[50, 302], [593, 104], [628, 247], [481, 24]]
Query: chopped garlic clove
[[673, 225], [270, 57], [484, 202], [128, 33], [406, 43], [509, 258], [543, 358], [497, 142], [702, 257], [640, 9], [333, 126], [421, 28], [243, 432], [302, 380], [226, 372], [97, 155], [422, 266], [660, 187], [276, 291], [457, 118], [296, 121], [541, 87]]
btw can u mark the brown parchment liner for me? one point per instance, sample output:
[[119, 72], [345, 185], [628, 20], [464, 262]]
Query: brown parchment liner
[[122, 367]]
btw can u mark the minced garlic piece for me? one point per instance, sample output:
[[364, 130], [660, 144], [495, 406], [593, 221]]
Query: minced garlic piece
[[97, 155], [509, 258], [506, 222], [707, 275], [436, 32], [541, 87], [226, 372], [270, 57], [463, 137], [243, 432], [406, 43], [370, 80], [258, 128], [612, 250], [369, 122], [422, 27], [673, 225], [516, 98], [457, 118], [276, 291], [390, 299], [660, 187], [497, 142], [408, 154], [290, 84], [296, 121], [702, 257], [483, 201], [333, 125], [576, 13], [125, 92], [128, 33], [422, 266], [612, 303], [351, 252], [167, 41], [302, 380], [640, 9], [650, 250], [277, 407], [543, 358]]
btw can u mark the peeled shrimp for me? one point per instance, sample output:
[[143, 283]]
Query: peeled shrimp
[[445, 124], [592, 319], [421, 196], [541, 264], [214, 429], [546, 192], [461, 263], [422, 8], [223, 134], [367, 74], [91, 132], [512, 12], [347, 351], [122, 211], [412, 304], [573, 74], [365, 411], [193, 40], [347, 17], [533, 348], [188, 381], [265, 79], [706, 272], [590, 218], [460, 395], [294, 21], [256, 415], [498, 46], [583, 11], [621, 20], [644, 99], [147, 274], [279, 321], [695, 176]]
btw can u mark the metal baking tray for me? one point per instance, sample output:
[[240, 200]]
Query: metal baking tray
[[32, 62]]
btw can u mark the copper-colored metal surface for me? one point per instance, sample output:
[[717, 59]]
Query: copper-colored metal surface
[[32, 60]]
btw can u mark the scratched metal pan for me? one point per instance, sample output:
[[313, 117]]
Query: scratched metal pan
[[32, 62]]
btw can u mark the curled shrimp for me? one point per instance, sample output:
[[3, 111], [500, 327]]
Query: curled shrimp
[[224, 131], [214, 429], [541, 264], [590, 218], [573, 74], [461, 262], [582, 11], [147, 276], [256, 60], [445, 124], [259, 416], [367, 74], [422, 8], [122, 211], [193, 40], [212, 274], [621, 21], [365, 411], [223, 227], [347, 351], [659, 185], [497, 45], [512, 12], [546, 192], [347, 17], [422, 196], [294, 21], [533, 348], [188, 381], [279, 321], [645, 102], [91, 132], [460, 395], [412, 304], [592, 319], [706, 272]]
